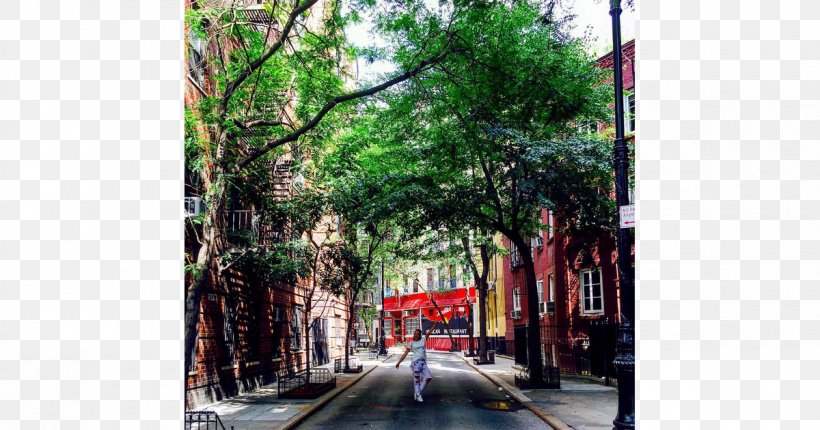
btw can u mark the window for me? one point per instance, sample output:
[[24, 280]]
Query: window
[[453, 279], [629, 112], [415, 286], [515, 257], [397, 327], [388, 326], [551, 294], [196, 62], [278, 320], [516, 300], [411, 324], [550, 225], [430, 279], [539, 285], [587, 127], [551, 289], [591, 291], [296, 327]]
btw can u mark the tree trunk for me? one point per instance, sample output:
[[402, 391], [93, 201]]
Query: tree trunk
[[213, 245], [481, 286], [470, 348], [349, 328], [482, 305], [306, 323], [534, 325]]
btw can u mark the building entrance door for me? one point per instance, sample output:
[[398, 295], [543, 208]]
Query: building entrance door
[[521, 345]]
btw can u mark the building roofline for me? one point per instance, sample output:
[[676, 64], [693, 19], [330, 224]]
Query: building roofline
[[623, 46]]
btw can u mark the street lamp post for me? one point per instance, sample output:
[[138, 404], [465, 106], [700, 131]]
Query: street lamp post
[[382, 349], [625, 349]]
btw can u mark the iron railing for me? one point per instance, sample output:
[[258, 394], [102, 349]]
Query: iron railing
[[586, 351], [203, 420], [248, 223], [300, 385]]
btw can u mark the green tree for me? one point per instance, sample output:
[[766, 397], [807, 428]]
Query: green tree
[[489, 137], [269, 87]]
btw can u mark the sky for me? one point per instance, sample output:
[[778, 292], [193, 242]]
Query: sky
[[592, 14]]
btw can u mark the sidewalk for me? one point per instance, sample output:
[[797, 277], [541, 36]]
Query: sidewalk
[[262, 409], [579, 404]]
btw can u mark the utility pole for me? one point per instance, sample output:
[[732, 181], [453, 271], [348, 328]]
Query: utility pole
[[382, 349], [625, 350]]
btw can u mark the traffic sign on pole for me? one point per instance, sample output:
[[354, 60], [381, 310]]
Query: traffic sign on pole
[[628, 216]]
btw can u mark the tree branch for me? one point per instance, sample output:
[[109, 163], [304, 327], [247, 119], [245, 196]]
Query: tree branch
[[335, 102], [260, 123], [232, 86]]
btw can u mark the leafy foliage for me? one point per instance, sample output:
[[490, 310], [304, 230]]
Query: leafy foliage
[[489, 136]]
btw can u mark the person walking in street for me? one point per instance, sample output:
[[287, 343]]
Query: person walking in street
[[421, 373]]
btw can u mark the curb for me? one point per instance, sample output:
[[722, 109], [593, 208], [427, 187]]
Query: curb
[[516, 394], [298, 419]]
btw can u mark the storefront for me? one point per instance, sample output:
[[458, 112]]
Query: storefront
[[405, 314]]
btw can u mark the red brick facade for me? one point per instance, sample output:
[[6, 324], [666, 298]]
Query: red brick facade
[[246, 332], [565, 331], [243, 340]]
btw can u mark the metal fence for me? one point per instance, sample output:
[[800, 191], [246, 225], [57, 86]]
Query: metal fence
[[587, 350], [203, 420], [301, 385]]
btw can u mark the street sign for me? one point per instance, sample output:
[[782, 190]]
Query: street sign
[[628, 216]]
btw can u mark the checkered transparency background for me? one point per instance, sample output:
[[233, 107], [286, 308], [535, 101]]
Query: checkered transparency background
[[90, 214], [729, 232]]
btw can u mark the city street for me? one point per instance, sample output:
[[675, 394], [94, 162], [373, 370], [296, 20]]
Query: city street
[[458, 397]]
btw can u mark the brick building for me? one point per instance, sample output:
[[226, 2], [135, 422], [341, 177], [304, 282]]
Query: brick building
[[576, 279], [251, 329]]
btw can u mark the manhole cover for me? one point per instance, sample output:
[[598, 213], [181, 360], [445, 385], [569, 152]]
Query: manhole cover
[[497, 405]]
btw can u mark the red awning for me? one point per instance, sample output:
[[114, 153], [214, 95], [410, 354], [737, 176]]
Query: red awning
[[420, 300], [406, 303], [448, 301]]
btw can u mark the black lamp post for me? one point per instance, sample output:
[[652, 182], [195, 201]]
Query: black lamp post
[[382, 349], [625, 350]]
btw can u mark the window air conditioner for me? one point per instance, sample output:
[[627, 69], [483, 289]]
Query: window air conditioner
[[490, 285], [516, 315], [193, 206], [542, 307], [551, 307]]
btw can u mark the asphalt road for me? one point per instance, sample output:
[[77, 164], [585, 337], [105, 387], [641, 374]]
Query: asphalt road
[[457, 398]]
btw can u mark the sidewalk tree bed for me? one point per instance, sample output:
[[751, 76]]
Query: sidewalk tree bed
[[296, 386], [550, 374]]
